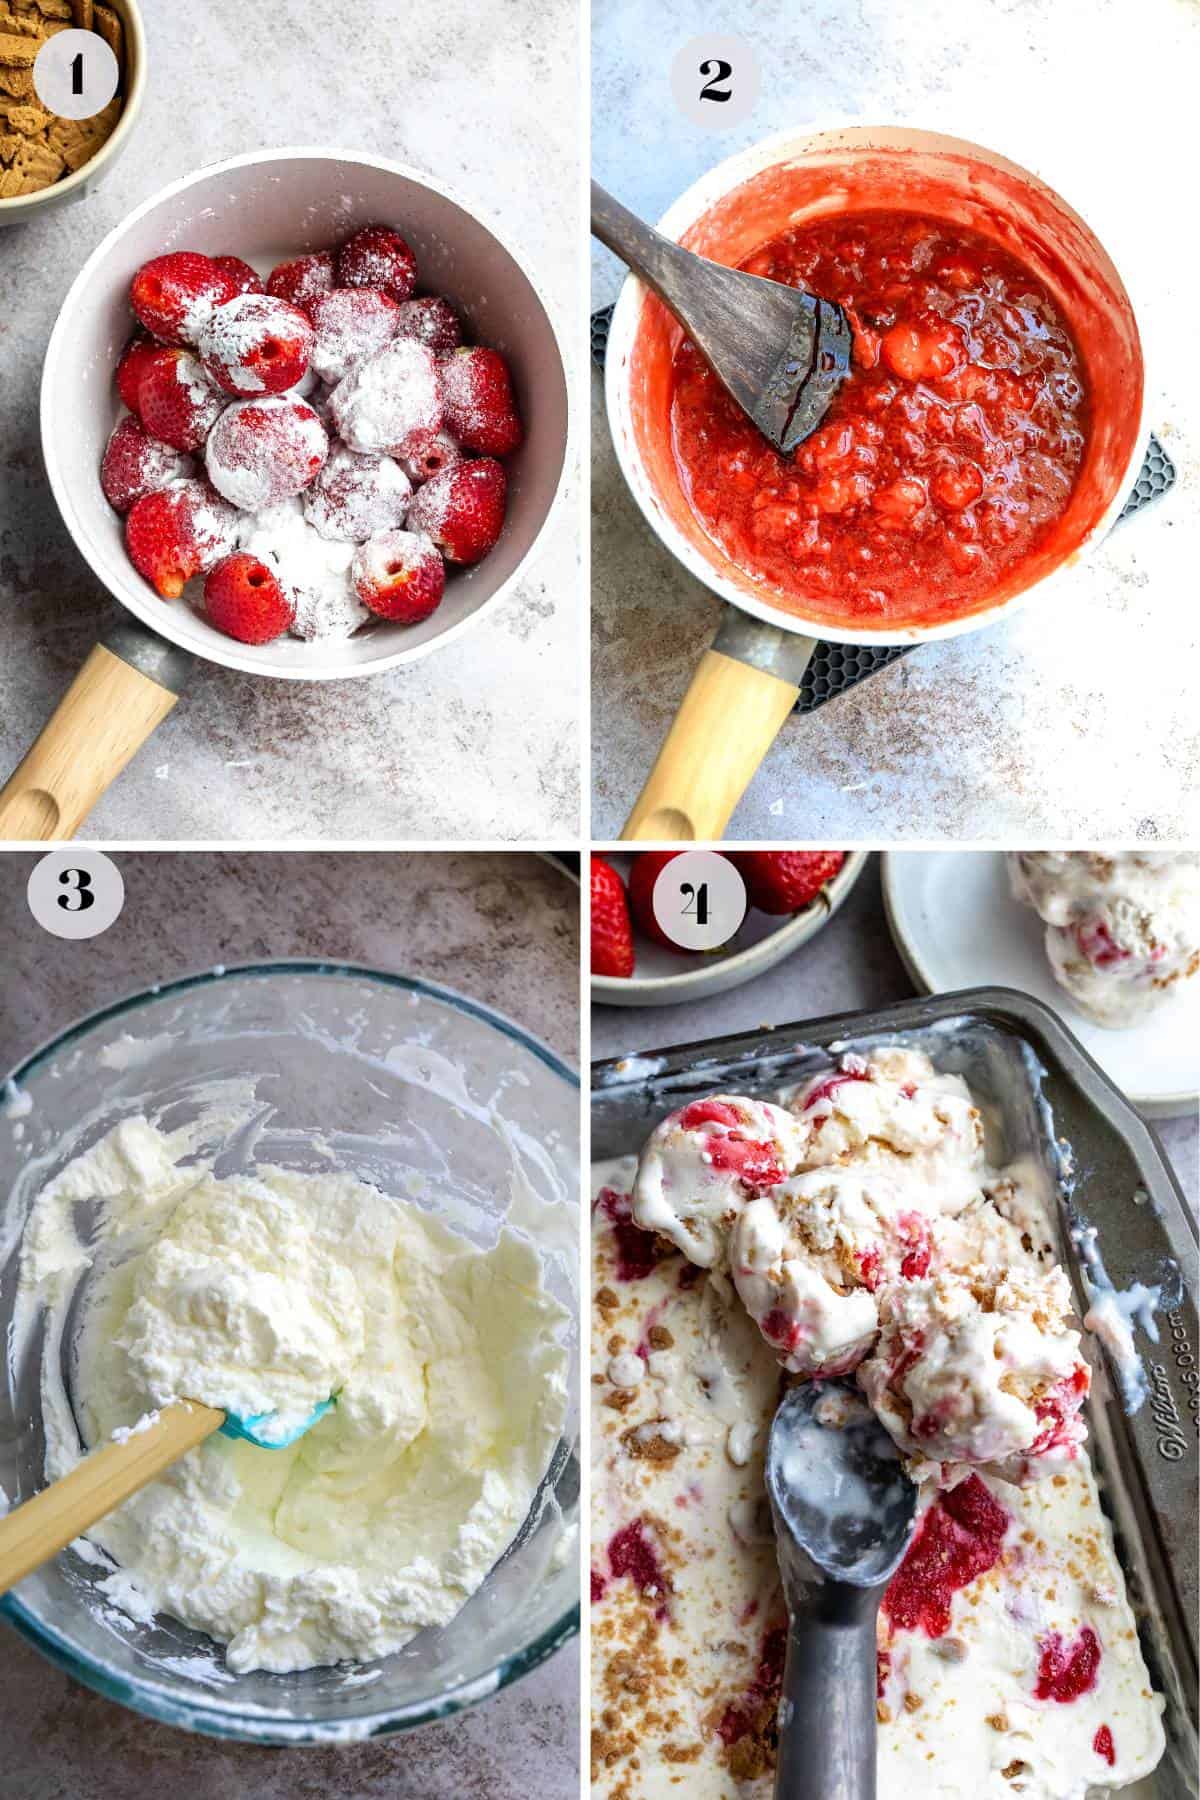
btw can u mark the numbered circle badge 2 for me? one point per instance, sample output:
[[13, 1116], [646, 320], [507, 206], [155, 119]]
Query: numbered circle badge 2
[[76, 893], [714, 80], [75, 74], [699, 900]]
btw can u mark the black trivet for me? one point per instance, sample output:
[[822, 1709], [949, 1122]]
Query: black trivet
[[836, 667]]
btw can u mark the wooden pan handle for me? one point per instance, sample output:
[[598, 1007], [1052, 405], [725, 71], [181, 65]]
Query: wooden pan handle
[[728, 721], [118, 697], [37, 1530]]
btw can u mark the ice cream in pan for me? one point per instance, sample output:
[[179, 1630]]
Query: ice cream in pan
[[858, 1227]]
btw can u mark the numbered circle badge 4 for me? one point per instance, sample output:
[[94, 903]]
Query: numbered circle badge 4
[[75, 893], [75, 74], [699, 900], [714, 81]]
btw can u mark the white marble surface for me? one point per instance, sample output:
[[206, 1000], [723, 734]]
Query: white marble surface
[[850, 966], [479, 741], [1077, 722]]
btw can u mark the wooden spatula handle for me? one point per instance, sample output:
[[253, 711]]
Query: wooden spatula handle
[[37, 1530], [729, 718], [124, 689]]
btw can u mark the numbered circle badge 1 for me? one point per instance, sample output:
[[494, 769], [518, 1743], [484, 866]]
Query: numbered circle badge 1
[[75, 74], [76, 893], [714, 80], [699, 900]]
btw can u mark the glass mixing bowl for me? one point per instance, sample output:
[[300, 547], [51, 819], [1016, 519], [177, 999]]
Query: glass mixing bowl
[[430, 1097]]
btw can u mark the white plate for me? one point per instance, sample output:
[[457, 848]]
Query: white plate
[[956, 926], [664, 978]]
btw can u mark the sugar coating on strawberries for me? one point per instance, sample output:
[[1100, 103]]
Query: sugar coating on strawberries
[[256, 344], [432, 321], [354, 496], [177, 402], [136, 464], [390, 401], [263, 451], [313, 572], [429, 455], [351, 325]]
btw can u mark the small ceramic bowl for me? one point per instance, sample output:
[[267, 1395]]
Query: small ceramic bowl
[[79, 184], [665, 978]]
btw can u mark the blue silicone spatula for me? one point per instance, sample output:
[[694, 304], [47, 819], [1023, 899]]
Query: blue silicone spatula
[[39, 1528]]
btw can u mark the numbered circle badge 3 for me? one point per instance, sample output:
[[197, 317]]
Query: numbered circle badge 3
[[714, 80], [76, 893], [75, 74], [699, 900]]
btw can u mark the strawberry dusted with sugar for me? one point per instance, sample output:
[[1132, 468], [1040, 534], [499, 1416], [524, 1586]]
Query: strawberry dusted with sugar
[[351, 325], [462, 509], [174, 295], [429, 455], [257, 344], [399, 575], [243, 598], [354, 496], [178, 533], [392, 402], [432, 321], [302, 280], [480, 409], [612, 933], [177, 403], [245, 279], [377, 257], [263, 451], [135, 464], [136, 357]]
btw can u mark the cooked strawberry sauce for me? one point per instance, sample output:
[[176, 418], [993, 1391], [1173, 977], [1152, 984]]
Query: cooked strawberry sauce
[[762, 1696], [958, 1540], [948, 453], [631, 1552], [1103, 1745], [1067, 1670], [638, 1251]]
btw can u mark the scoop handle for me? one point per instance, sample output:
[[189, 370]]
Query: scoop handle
[[124, 690], [827, 1709], [37, 1530]]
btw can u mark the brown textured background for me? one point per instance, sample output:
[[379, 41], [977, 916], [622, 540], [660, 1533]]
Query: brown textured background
[[500, 928]]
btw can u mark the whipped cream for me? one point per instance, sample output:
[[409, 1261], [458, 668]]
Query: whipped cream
[[1122, 928], [270, 1291]]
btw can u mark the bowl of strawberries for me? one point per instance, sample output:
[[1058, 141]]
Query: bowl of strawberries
[[790, 895], [305, 414]]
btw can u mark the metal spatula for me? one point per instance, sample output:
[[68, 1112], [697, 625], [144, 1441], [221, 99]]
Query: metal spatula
[[780, 352], [844, 1511]]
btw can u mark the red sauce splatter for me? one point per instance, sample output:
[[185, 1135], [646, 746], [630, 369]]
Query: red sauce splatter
[[1103, 1745], [742, 1716], [1067, 1670], [599, 1585], [631, 1553], [638, 1252], [958, 1540]]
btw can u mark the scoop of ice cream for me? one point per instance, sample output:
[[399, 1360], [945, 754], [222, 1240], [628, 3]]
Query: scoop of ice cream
[[980, 1368], [702, 1164], [816, 1319], [1122, 930]]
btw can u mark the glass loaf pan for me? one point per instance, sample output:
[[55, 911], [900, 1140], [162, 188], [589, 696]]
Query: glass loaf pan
[[1042, 1096]]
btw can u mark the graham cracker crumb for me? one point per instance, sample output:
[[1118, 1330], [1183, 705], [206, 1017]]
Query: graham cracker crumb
[[36, 148]]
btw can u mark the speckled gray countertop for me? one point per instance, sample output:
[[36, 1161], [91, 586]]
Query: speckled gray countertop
[[501, 928], [479, 741], [1073, 722], [850, 966]]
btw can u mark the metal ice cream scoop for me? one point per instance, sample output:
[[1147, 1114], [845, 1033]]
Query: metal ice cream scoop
[[844, 1510]]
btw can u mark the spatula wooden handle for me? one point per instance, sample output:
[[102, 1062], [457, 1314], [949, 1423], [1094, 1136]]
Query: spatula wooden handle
[[37, 1530], [729, 718]]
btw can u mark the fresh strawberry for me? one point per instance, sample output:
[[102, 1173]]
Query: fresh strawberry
[[135, 359], [177, 403], [612, 934], [377, 257], [245, 279], [177, 533], [257, 344], [243, 598], [462, 509], [174, 295], [480, 410], [785, 881], [399, 575], [135, 464], [428, 455], [303, 280], [432, 321], [647, 867]]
